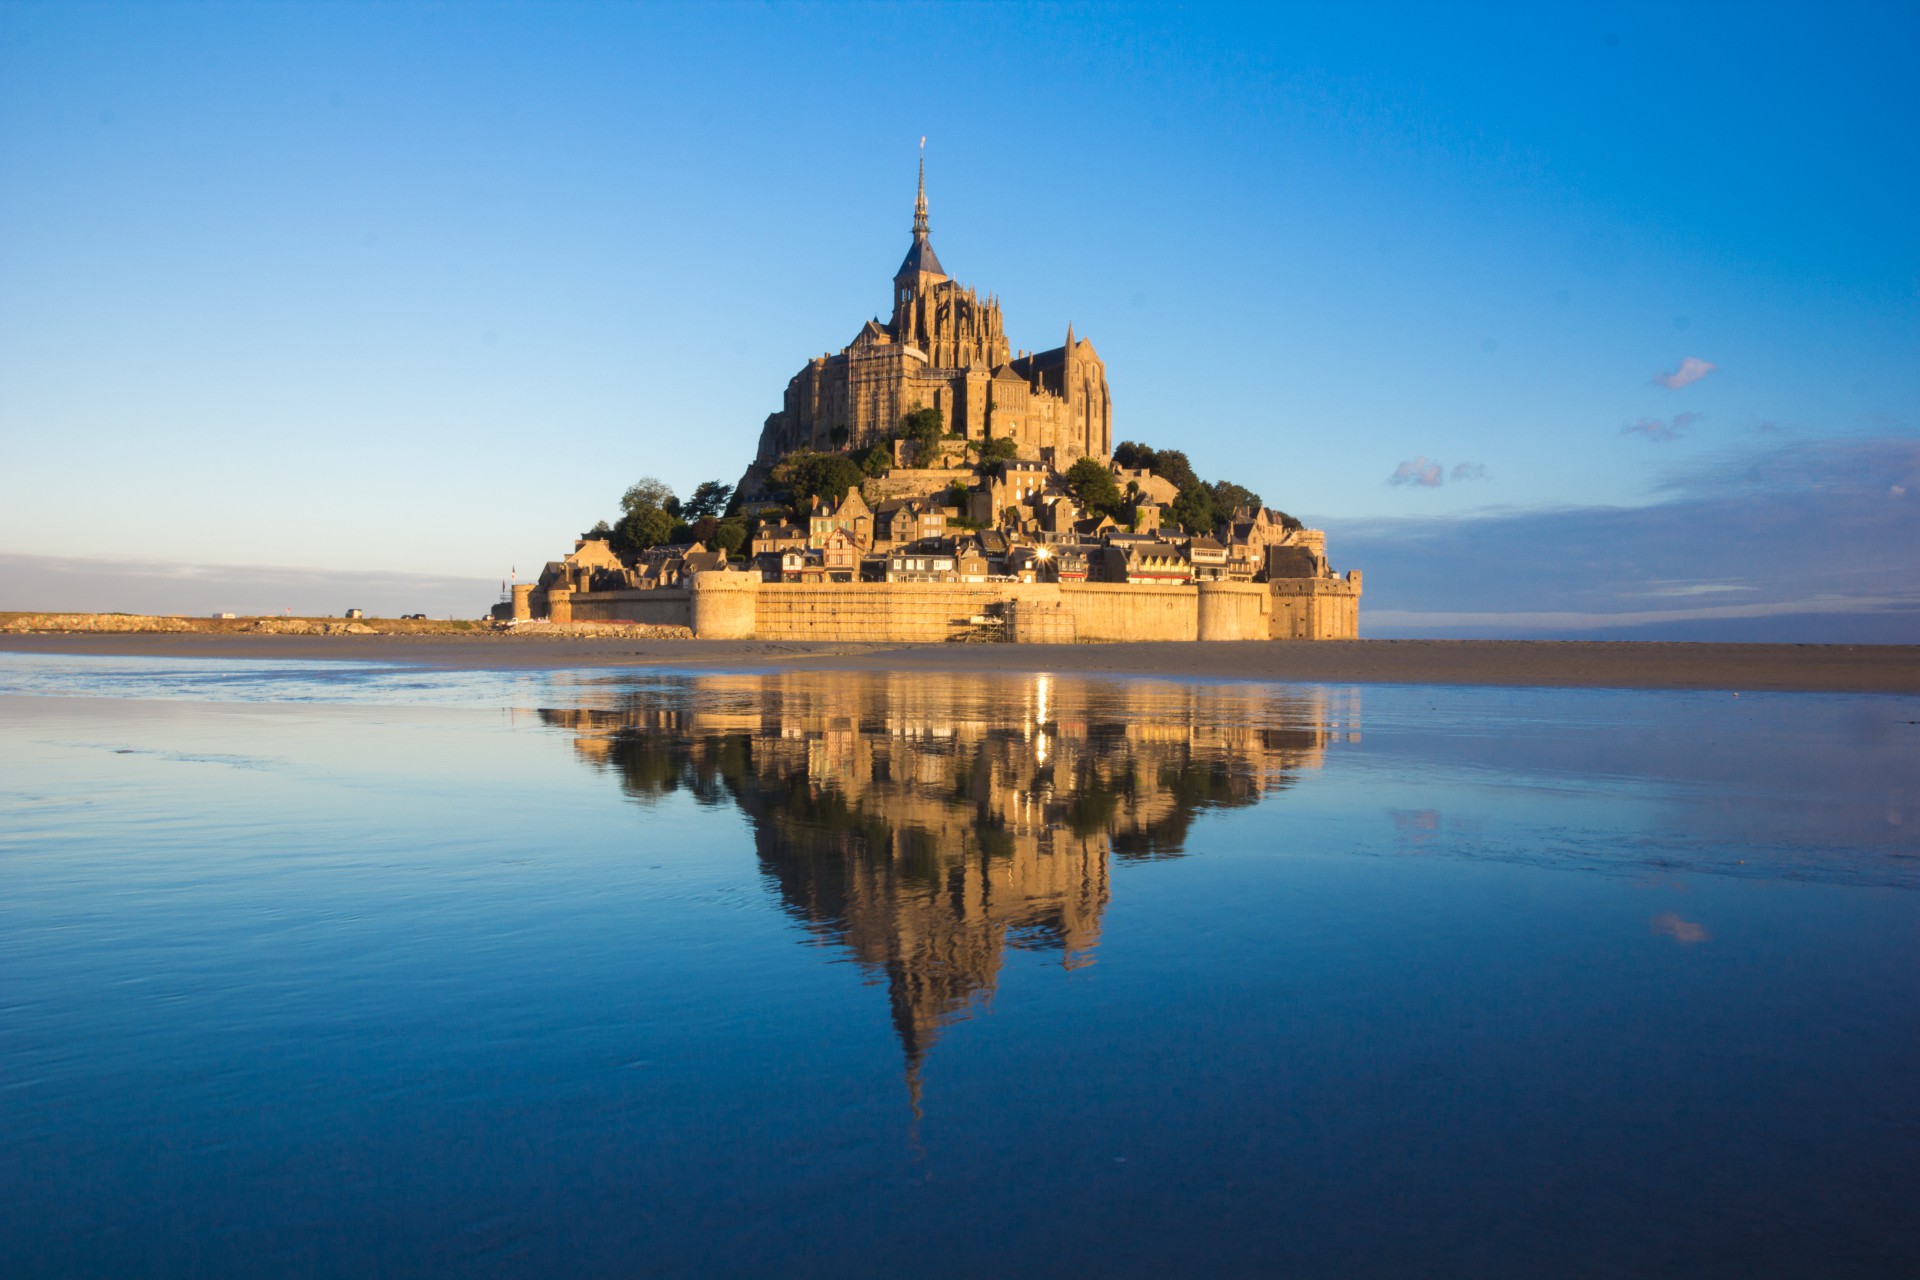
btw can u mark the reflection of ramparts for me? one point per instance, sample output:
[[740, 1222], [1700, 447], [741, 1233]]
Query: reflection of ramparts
[[929, 824]]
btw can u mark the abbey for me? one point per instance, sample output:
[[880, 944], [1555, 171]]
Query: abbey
[[945, 348], [930, 483]]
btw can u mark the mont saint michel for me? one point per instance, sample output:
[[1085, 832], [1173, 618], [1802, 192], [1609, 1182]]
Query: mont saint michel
[[931, 482], [608, 670]]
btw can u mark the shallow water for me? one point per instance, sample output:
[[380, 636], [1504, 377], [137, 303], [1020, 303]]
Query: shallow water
[[314, 968]]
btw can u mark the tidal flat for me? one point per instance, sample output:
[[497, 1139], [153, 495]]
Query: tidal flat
[[382, 967]]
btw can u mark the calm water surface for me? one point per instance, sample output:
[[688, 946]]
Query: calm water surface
[[327, 969]]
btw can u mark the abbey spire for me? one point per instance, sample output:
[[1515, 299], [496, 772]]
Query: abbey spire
[[921, 270], [920, 201]]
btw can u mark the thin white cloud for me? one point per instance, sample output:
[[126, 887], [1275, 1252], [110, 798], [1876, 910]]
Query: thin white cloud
[[1654, 429], [1858, 466], [1421, 472], [1691, 370], [1659, 430], [1468, 471], [1690, 589]]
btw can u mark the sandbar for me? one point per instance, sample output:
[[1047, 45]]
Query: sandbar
[[1826, 668]]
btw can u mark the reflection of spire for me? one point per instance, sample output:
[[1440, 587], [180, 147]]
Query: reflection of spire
[[914, 1042]]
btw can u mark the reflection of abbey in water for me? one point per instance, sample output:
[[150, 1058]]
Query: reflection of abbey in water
[[929, 825]]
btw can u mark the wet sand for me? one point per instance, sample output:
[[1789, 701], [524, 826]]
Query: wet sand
[[1632, 665]]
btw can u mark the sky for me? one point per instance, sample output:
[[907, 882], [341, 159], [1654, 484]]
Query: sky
[[1559, 319]]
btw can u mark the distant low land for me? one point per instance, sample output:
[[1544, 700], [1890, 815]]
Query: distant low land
[[1568, 664]]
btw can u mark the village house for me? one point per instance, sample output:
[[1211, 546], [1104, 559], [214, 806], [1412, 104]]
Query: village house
[[928, 560], [850, 515], [670, 565], [840, 556], [1144, 485], [772, 539], [795, 564], [1025, 564], [1070, 561], [970, 560], [1056, 517], [592, 563], [1208, 556], [904, 520], [1013, 484], [1099, 529], [1143, 562], [996, 546]]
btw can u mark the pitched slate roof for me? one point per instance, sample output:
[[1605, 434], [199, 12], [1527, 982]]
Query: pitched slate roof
[[920, 257]]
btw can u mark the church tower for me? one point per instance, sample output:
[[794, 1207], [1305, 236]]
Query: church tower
[[919, 272], [949, 323]]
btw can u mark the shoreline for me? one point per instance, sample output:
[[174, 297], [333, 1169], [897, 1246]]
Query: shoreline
[[1801, 668]]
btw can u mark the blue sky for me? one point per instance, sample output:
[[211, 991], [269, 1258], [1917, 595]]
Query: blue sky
[[421, 288]]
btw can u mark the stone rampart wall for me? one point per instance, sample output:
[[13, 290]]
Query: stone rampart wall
[[663, 608], [882, 612], [1107, 611], [1315, 608], [1035, 621], [1235, 611], [740, 606]]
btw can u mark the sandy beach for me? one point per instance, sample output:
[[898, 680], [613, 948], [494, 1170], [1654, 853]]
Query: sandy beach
[[1737, 667]]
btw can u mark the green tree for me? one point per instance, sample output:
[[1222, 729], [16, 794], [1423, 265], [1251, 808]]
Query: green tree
[[877, 458], [998, 449], [651, 511], [1194, 511], [709, 499], [1133, 455], [649, 492], [924, 427], [731, 537], [1092, 486], [642, 527], [1228, 495], [807, 475]]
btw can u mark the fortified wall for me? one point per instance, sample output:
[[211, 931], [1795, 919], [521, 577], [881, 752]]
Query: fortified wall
[[741, 606]]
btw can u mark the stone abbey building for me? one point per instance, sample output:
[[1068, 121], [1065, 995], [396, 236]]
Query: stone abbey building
[[981, 535], [946, 348]]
